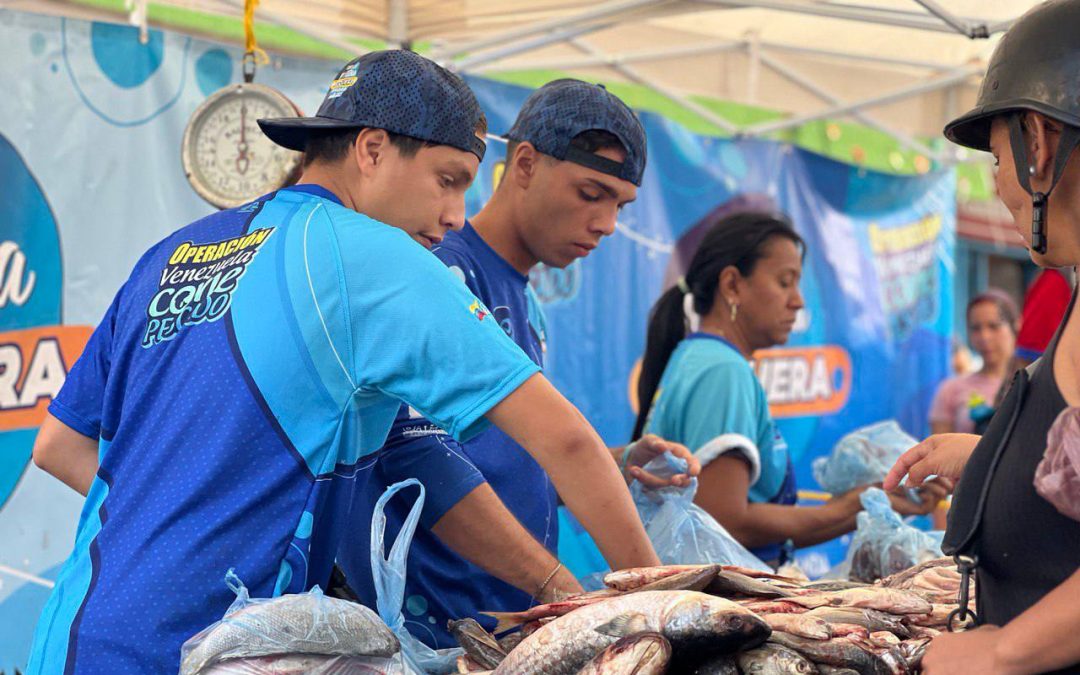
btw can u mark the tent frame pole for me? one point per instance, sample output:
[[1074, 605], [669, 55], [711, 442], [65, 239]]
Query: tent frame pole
[[633, 74], [599, 13], [470, 63], [947, 79], [917, 20]]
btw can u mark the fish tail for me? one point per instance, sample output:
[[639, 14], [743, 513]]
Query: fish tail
[[506, 620]]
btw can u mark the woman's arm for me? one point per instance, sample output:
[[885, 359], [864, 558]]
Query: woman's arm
[[723, 489], [723, 492]]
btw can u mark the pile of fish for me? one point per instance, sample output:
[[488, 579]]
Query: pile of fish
[[721, 620]]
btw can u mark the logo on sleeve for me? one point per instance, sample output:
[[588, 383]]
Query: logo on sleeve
[[478, 310], [198, 283]]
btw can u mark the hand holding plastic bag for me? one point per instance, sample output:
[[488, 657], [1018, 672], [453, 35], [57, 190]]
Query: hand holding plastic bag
[[680, 531], [389, 576], [1057, 478], [862, 457], [884, 544]]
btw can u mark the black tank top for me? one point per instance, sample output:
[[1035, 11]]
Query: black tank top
[[1025, 548]]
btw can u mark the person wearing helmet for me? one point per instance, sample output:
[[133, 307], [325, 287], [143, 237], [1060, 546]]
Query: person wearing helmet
[[1023, 553]]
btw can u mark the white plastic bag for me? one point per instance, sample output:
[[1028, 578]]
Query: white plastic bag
[[389, 574], [288, 626], [862, 457], [1057, 478]]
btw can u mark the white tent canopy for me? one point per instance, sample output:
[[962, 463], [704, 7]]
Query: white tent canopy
[[901, 66]]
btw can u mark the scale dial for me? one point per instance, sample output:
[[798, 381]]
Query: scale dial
[[227, 158]]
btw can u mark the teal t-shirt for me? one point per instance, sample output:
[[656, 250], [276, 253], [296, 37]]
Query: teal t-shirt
[[710, 400]]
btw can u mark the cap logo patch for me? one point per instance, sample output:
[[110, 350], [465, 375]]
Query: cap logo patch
[[338, 86]]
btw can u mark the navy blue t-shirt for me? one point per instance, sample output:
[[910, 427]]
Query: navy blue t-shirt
[[441, 585], [247, 370]]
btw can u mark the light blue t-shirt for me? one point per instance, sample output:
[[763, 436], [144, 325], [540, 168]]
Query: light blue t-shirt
[[710, 400], [242, 379]]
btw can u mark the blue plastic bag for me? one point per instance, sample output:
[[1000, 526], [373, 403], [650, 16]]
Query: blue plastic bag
[[681, 532], [862, 457], [389, 574], [884, 544]]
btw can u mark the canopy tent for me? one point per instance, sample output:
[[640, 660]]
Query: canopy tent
[[903, 67]]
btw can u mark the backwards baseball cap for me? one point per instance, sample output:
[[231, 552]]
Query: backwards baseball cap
[[560, 110], [395, 90]]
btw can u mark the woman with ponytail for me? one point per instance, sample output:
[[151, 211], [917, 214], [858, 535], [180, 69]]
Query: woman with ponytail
[[740, 294]]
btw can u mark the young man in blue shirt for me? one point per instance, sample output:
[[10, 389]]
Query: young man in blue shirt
[[576, 155], [254, 361]]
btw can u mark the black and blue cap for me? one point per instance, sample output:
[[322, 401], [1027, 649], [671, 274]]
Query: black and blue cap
[[396, 90], [560, 110]]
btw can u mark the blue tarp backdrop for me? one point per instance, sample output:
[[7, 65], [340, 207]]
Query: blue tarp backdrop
[[90, 134]]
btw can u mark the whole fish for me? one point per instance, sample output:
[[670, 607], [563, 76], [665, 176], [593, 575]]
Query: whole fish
[[840, 652], [694, 579], [726, 584], [304, 623], [717, 665], [803, 625], [891, 600], [774, 659], [479, 645], [635, 577], [871, 620], [695, 622], [640, 654]]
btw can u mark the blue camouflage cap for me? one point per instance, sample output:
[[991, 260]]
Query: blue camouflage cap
[[560, 110], [396, 90]]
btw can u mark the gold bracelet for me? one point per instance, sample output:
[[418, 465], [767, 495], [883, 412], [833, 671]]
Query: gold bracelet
[[547, 581]]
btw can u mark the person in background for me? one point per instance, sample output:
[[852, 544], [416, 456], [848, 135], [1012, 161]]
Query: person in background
[[740, 294], [1044, 307], [963, 400]]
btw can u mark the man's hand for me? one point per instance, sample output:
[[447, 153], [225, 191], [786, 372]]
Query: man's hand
[[944, 455], [649, 447]]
